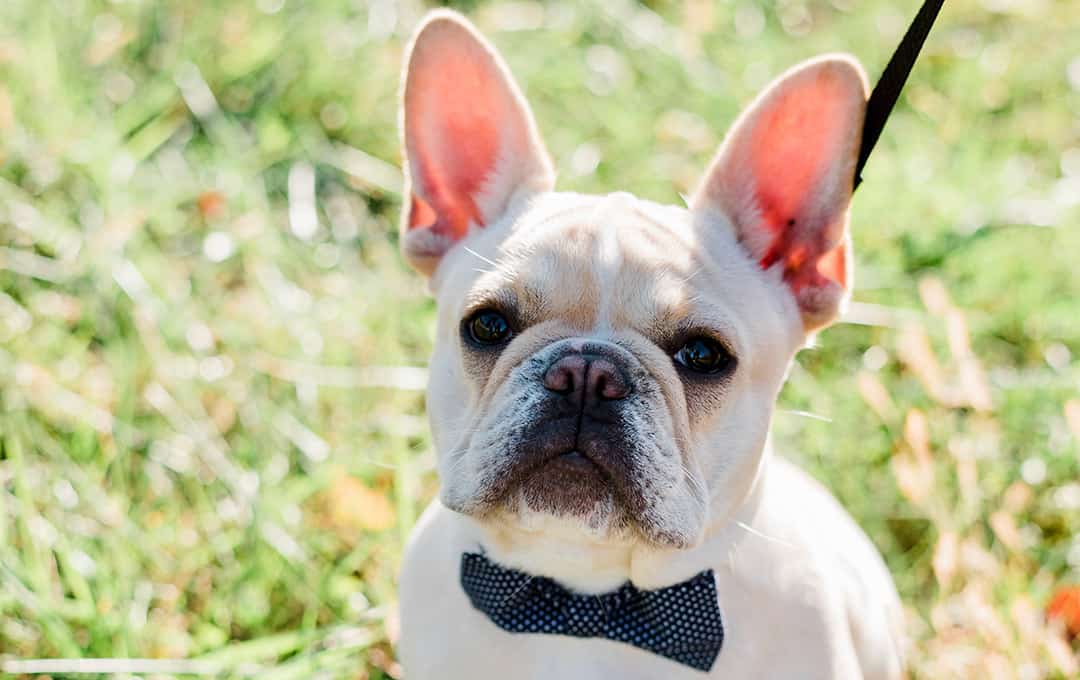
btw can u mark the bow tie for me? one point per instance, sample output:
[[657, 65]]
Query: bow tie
[[680, 622]]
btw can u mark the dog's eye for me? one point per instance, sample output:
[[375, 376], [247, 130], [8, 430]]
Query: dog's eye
[[704, 355], [488, 327]]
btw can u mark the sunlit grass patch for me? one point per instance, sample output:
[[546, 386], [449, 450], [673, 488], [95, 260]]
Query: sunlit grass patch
[[212, 438]]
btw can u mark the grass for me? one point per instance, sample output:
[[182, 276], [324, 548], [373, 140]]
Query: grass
[[212, 441]]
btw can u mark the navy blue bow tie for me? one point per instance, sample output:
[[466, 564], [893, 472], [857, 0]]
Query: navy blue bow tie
[[680, 622]]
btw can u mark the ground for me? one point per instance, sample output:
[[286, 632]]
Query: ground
[[212, 435]]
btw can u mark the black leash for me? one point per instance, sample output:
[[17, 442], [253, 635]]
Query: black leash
[[887, 91]]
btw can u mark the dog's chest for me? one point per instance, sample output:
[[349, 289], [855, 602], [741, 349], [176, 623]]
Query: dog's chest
[[765, 638], [782, 614]]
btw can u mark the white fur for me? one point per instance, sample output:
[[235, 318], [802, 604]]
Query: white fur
[[803, 592]]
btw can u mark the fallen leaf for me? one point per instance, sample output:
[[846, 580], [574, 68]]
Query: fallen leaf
[[1064, 605], [349, 505], [211, 204]]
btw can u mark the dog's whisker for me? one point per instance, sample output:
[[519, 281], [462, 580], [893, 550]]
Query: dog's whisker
[[689, 277], [603, 606], [751, 530], [805, 414], [697, 485], [517, 591], [481, 257]]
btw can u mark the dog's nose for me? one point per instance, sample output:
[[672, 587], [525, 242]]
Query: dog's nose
[[589, 377]]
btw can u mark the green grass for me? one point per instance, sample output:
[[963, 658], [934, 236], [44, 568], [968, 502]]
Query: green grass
[[200, 457]]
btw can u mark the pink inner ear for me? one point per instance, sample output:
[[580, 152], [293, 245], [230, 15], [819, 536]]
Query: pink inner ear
[[833, 265], [421, 214], [456, 102], [793, 150]]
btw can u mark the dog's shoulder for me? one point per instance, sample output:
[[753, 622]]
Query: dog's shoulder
[[832, 566], [427, 596]]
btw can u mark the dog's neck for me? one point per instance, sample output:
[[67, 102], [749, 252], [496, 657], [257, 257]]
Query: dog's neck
[[591, 566]]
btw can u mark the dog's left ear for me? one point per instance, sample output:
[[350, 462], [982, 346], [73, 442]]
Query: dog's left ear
[[783, 177], [471, 145]]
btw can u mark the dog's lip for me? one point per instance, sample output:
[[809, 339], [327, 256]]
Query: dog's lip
[[575, 460], [571, 462], [558, 447], [574, 456]]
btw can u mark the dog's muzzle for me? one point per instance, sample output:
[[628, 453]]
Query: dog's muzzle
[[578, 449]]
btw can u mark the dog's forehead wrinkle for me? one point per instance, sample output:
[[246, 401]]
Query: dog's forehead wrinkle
[[607, 216]]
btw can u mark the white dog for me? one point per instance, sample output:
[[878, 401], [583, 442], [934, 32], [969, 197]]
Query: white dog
[[601, 389]]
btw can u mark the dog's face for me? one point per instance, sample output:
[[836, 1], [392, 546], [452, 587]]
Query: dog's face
[[607, 366]]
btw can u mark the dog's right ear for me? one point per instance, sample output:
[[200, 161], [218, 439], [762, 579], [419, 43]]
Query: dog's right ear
[[470, 143], [784, 177]]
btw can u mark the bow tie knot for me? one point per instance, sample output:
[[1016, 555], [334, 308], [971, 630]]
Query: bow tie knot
[[681, 622]]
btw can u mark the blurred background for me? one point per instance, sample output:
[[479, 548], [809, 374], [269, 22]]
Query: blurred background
[[212, 430]]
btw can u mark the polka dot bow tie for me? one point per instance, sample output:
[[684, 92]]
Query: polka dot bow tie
[[680, 622]]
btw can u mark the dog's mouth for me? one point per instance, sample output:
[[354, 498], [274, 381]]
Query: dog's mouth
[[555, 465], [605, 475], [575, 462], [572, 468], [569, 471], [570, 482]]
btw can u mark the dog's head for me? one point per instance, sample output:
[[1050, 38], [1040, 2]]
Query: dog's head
[[606, 365]]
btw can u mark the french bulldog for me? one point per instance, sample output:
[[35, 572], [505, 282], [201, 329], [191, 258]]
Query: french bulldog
[[601, 389]]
